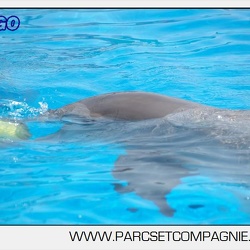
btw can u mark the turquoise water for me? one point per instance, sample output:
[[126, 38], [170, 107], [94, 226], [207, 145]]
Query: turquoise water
[[60, 56]]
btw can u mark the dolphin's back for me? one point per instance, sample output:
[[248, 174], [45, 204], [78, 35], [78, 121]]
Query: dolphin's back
[[127, 106]]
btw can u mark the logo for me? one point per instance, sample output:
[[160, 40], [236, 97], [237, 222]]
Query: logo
[[11, 23]]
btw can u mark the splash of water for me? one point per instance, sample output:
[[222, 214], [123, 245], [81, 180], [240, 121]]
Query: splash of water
[[14, 110]]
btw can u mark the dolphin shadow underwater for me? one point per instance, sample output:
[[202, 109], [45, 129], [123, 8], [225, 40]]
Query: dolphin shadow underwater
[[165, 140]]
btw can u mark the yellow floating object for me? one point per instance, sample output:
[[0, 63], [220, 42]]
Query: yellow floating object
[[13, 130]]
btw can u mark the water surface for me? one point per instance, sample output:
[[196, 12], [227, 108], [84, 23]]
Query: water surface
[[60, 56]]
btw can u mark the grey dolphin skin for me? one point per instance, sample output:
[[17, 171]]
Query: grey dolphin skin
[[132, 106], [150, 167]]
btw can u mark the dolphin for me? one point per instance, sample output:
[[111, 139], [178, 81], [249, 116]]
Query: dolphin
[[144, 124], [131, 106]]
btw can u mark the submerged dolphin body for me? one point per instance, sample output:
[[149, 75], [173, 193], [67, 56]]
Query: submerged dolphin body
[[144, 123]]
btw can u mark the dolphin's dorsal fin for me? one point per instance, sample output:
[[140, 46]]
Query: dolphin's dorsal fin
[[151, 175]]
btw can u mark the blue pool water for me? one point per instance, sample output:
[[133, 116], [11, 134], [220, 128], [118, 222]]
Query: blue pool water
[[57, 57]]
